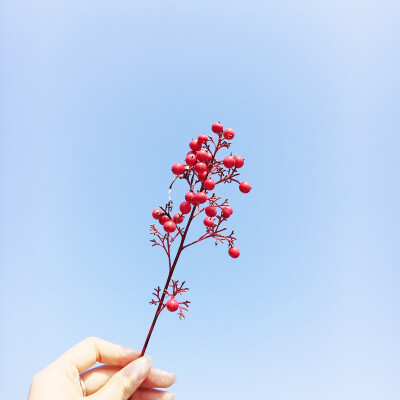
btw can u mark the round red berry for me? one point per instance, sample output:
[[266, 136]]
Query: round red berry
[[200, 197], [157, 213], [210, 157], [163, 219], [229, 162], [169, 226], [217, 127], [209, 184], [229, 208], [202, 138], [195, 145], [239, 162], [211, 211], [200, 167], [191, 159], [178, 218], [229, 133], [185, 207], [234, 252], [189, 197], [244, 187], [178, 169], [208, 221], [202, 155], [226, 213], [203, 176], [172, 305]]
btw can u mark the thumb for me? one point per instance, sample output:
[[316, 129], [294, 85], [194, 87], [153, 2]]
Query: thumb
[[125, 382]]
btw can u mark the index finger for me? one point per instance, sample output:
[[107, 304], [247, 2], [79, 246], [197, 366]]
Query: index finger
[[91, 350]]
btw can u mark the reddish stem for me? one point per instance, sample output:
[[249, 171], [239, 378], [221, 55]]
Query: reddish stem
[[171, 271]]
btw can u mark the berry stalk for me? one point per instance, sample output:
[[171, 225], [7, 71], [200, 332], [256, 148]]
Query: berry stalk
[[167, 283]]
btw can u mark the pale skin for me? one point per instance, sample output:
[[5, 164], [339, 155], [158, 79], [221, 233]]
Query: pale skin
[[124, 375]]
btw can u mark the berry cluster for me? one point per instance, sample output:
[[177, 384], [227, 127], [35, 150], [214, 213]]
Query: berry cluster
[[202, 170]]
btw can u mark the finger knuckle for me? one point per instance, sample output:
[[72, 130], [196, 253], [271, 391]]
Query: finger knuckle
[[91, 340]]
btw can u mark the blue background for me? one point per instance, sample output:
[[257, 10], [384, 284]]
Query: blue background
[[99, 98]]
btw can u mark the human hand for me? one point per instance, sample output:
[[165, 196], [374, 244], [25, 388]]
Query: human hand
[[124, 375]]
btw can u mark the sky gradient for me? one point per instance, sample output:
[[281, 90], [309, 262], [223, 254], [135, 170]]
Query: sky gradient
[[98, 99]]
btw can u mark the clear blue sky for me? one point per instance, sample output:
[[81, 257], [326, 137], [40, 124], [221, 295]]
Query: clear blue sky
[[99, 98]]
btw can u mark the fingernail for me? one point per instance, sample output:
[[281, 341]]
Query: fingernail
[[169, 396], [139, 368]]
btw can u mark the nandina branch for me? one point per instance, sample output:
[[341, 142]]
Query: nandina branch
[[201, 164]]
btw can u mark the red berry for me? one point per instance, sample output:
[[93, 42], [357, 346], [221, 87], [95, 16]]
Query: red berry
[[239, 161], [169, 226], [157, 213], [234, 252], [217, 127], [185, 207], [178, 218], [226, 213], [195, 145], [244, 187], [229, 133], [189, 196], [209, 184], [210, 157], [190, 159], [203, 176], [178, 169], [163, 219], [202, 138], [208, 221], [229, 162], [172, 305], [229, 208], [202, 155], [200, 167], [200, 197], [211, 211]]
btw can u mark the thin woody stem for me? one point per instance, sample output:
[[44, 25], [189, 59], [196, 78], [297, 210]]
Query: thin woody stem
[[171, 271], [169, 252], [206, 236]]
